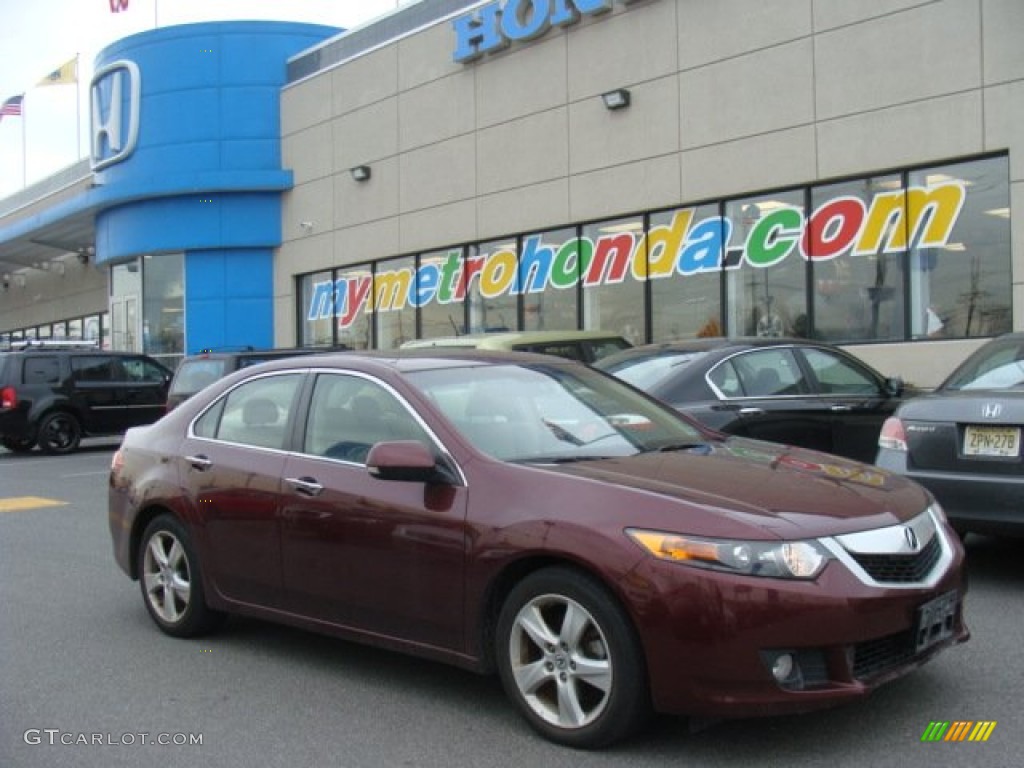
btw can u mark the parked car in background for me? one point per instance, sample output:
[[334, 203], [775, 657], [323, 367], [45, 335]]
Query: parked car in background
[[53, 393], [197, 371], [533, 516], [963, 441], [791, 391], [586, 346]]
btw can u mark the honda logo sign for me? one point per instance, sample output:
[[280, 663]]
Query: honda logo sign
[[114, 95]]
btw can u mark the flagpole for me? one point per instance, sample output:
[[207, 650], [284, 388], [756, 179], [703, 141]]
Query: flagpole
[[24, 147], [78, 111]]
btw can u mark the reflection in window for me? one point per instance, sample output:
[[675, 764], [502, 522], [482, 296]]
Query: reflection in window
[[163, 306], [551, 299], [394, 286], [612, 257], [962, 286], [857, 295], [766, 278], [316, 298], [442, 308], [352, 314], [686, 284], [490, 273]]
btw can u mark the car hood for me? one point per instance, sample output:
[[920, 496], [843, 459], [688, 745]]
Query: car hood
[[739, 487]]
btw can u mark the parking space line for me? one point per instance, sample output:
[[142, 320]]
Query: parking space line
[[22, 503]]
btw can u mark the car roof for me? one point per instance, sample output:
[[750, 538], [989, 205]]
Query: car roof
[[679, 346], [504, 339]]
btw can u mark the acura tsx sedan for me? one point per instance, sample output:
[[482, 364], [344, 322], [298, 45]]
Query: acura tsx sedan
[[529, 516]]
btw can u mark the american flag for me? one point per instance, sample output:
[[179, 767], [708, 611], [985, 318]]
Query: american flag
[[12, 106]]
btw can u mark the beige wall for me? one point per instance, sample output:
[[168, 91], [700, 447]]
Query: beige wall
[[729, 97], [47, 296]]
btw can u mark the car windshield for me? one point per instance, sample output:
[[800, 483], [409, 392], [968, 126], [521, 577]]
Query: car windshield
[[552, 413], [647, 372], [998, 365], [193, 375]]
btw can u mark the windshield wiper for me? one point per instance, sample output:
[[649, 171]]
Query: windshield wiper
[[671, 447], [560, 459]]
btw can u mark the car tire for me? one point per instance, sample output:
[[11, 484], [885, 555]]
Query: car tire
[[18, 445], [171, 580], [59, 433], [570, 660]]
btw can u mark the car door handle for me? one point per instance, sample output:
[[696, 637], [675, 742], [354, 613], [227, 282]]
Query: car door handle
[[200, 462], [307, 486], [840, 408], [751, 411]]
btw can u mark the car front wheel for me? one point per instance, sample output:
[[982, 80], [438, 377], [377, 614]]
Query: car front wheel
[[570, 660], [59, 432], [170, 580]]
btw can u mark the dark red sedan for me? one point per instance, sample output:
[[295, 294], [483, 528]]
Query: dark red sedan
[[531, 516]]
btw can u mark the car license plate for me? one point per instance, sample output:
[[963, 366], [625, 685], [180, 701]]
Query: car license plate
[[992, 441], [935, 621]]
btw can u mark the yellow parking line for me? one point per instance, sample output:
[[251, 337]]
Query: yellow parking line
[[21, 503]]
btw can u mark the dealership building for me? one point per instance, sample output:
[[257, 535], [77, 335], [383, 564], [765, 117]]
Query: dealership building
[[662, 169]]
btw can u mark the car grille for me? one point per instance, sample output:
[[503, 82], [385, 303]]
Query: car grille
[[875, 657], [898, 568]]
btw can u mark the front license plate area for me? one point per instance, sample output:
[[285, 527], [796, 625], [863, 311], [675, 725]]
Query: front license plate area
[[1000, 442], [935, 621]]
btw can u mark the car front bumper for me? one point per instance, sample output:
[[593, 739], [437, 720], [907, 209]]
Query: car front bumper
[[711, 638]]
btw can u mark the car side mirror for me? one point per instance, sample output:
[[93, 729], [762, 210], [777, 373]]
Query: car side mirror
[[403, 460], [894, 386]]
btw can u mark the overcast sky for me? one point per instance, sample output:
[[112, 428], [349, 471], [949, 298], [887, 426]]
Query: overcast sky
[[38, 36]]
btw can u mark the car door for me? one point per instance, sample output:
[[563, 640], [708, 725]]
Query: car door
[[380, 556], [770, 398], [94, 393], [140, 389], [230, 467], [858, 400]]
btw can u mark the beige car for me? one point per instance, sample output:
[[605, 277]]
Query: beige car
[[587, 346]]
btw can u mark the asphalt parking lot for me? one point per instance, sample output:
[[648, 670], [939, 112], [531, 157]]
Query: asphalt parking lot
[[87, 680]]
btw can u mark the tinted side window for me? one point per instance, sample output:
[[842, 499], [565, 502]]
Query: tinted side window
[[348, 415], [92, 368], [42, 370], [769, 373], [138, 369], [839, 376], [256, 413], [568, 350]]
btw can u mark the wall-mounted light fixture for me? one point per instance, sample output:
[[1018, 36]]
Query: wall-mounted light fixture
[[361, 173], [617, 99], [307, 226]]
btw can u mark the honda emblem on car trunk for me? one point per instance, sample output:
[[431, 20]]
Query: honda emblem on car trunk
[[991, 410]]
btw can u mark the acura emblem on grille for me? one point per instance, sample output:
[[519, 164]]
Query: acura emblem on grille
[[991, 410], [911, 537]]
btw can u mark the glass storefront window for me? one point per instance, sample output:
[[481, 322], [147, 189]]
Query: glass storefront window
[[394, 284], [960, 273], [75, 329], [857, 273], [685, 255], [353, 314], [490, 271], [765, 274], [317, 302], [612, 262], [550, 298], [442, 307], [163, 306], [125, 295]]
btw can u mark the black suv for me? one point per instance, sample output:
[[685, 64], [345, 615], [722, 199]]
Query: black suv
[[53, 393], [197, 371]]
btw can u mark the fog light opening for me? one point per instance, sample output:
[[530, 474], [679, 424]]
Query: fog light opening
[[782, 667]]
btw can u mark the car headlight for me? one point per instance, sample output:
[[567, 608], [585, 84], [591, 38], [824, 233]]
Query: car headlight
[[774, 559]]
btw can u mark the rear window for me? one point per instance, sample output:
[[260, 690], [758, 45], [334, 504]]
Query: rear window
[[193, 375], [647, 372]]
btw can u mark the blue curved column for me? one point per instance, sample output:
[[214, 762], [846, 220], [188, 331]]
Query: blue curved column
[[204, 176]]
